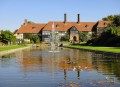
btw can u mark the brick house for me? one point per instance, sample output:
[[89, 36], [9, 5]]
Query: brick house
[[62, 29], [28, 28]]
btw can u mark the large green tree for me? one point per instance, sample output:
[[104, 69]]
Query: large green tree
[[109, 37], [7, 37], [111, 34]]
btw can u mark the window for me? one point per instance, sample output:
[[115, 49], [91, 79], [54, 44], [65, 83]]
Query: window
[[87, 26], [46, 32], [100, 30], [57, 26], [105, 24], [33, 28], [73, 31]]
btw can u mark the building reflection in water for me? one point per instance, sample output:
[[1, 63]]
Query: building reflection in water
[[63, 61], [66, 61], [78, 74], [65, 74]]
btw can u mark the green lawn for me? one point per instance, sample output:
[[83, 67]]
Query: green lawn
[[3, 48], [97, 48]]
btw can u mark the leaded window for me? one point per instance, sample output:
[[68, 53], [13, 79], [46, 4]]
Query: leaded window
[[73, 31]]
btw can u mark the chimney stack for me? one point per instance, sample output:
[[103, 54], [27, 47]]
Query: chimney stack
[[25, 22], [65, 18], [78, 21]]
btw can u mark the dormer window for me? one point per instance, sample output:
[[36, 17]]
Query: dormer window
[[87, 26], [105, 24], [33, 28], [57, 26]]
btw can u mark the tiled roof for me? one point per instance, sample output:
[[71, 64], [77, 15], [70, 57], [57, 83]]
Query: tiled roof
[[85, 26], [58, 26], [31, 28], [102, 24], [61, 26]]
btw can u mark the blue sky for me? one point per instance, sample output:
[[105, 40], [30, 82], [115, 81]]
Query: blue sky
[[13, 12]]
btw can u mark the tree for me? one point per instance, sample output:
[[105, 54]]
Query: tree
[[33, 38], [109, 37], [30, 22], [111, 34], [108, 18], [64, 38], [36, 39], [7, 37], [83, 36], [116, 20]]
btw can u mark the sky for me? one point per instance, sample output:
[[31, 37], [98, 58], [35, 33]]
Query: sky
[[13, 12]]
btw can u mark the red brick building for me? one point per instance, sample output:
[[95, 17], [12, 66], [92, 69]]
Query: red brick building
[[65, 28]]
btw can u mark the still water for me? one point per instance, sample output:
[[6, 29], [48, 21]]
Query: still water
[[38, 67]]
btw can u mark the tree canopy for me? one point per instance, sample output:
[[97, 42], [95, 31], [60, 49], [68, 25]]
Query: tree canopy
[[116, 20], [7, 37], [108, 18], [82, 36], [33, 38], [111, 34]]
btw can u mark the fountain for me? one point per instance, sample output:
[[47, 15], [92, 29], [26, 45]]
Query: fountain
[[53, 40]]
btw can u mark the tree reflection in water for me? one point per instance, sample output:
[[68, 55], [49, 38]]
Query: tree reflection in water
[[68, 67]]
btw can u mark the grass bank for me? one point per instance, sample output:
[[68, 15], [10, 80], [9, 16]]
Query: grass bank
[[96, 48], [5, 48]]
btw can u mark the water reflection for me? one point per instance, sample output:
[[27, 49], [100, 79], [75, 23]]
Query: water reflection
[[107, 65], [65, 65]]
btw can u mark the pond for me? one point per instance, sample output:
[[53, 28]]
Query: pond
[[40, 67]]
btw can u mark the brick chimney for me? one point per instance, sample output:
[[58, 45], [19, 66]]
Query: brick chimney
[[25, 22], [65, 18], [78, 17]]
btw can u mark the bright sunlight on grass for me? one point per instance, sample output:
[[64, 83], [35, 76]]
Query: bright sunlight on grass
[[97, 48], [3, 48]]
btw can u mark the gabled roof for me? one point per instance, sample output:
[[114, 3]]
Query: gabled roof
[[102, 24], [31, 28], [61, 26]]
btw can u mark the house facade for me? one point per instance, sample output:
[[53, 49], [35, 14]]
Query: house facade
[[61, 29]]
